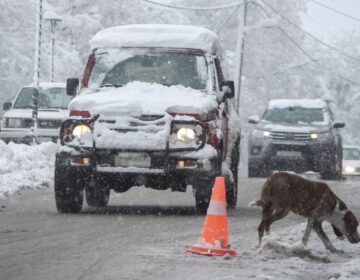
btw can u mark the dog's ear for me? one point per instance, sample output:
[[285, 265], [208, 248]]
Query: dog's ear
[[337, 232]]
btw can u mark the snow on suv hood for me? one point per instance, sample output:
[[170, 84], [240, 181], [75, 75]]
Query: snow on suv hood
[[138, 98], [296, 128]]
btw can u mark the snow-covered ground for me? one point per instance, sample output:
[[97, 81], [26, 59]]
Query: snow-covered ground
[[23, 166]]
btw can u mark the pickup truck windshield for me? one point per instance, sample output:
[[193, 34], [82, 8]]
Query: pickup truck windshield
[[50, 98], [117, 67], [294, 115]]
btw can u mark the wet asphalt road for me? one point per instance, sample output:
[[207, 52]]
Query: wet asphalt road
[[142, 234]]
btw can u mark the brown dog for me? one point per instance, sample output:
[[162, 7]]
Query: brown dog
[[284, 192]]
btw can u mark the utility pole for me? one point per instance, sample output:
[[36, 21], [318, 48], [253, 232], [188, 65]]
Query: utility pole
[[54, 19], [240, 47], [35, 97]]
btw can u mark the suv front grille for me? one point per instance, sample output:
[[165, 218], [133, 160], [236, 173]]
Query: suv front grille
[[295, 136]]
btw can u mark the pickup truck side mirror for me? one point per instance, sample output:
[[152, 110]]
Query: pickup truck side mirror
[[72, 86], [339, 125], [228, 88], [7, 106], [253, 119]]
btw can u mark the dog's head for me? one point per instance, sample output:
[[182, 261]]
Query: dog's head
[[351, 225], [348, 227]]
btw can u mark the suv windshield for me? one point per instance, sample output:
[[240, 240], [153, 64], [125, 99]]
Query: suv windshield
[[351, 154], [48, 98], [117, 67], [294, 115]]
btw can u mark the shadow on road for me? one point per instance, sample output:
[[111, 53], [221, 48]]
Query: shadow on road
[[141, 210]]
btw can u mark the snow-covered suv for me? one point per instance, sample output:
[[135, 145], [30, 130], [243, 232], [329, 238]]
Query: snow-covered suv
[[17, 122], [153, 109], [298, 135]]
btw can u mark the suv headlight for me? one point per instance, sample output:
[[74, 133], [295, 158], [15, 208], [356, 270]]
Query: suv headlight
[[319, 136], [261, 133], [14, 123]]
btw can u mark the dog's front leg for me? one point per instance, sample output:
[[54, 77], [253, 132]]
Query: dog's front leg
[[307, 232], [320, 232]]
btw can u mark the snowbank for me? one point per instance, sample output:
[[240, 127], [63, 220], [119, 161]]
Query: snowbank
[[23, 166]]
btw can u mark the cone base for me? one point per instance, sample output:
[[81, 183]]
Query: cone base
[[200, 250]]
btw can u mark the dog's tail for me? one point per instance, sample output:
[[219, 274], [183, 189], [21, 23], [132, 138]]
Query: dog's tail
[[257, 203]]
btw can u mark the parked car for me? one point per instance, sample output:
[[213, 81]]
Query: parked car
[[153, 109], [296, 135], [17, 120], [351, 160]]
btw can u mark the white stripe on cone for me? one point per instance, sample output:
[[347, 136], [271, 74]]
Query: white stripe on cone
[[217, 208]]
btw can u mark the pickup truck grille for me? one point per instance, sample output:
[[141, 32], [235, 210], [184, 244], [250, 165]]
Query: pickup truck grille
[[295, 136], [130, 133]]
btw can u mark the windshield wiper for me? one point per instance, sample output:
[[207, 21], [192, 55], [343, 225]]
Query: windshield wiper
[[111, 85]]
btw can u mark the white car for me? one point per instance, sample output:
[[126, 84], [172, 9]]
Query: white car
[[16, 125], [351, 160]]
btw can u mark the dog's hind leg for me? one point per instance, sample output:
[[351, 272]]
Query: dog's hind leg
[[268, 217], [320, 232]]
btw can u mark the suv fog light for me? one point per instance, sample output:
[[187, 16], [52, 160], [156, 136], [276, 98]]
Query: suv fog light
[[186, 164], [86, 161]]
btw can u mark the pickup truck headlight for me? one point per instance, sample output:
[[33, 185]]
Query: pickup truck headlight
[[77, 132], [186, 134], [80, 130]]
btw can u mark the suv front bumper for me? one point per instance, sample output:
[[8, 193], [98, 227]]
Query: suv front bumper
[[303, 156]]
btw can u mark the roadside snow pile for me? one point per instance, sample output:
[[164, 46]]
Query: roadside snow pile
[[23, 166]]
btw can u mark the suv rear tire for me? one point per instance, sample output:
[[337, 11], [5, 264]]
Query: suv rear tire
[[68, 195]]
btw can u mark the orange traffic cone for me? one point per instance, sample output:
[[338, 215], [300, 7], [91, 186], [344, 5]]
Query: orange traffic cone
[[214, 235]]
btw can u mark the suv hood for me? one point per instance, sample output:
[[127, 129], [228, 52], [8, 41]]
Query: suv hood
[[296, 128], [50, 114], [138, 98]]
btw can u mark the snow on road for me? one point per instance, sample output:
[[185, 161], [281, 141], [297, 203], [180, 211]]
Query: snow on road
[[23, 166]]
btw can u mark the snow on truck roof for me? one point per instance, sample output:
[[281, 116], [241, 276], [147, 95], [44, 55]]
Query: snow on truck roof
[[157, 36], [304, 103]]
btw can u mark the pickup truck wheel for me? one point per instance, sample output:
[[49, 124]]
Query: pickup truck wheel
[[203, 191], [68, 194], [97, 195]]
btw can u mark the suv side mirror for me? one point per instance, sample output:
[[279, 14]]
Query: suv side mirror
[[253, 119], [228, 88], [339, 125], [7, 106], [72, 85]]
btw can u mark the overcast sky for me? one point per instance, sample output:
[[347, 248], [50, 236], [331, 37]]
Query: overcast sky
[[328, 25]]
